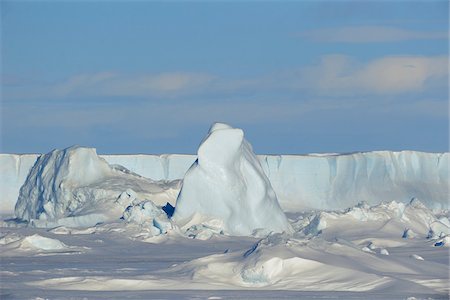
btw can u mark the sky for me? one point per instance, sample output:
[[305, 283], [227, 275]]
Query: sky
[[297, 76]]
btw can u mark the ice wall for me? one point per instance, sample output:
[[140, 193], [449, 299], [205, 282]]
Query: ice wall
[[14, 169], [315, 181], [341, 181], [158, 167]]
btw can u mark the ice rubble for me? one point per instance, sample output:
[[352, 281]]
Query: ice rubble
[[75, 187], [227, 183], [148, 214], [393, 218]]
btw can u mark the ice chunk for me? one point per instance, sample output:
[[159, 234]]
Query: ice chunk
[[227, 183], [418, 257], [445, 241], [14, 244], [438, 229], [43, 243], [384, 252], [147, 213], [408, 234], [366, 249], [75, 187], [317, 224]]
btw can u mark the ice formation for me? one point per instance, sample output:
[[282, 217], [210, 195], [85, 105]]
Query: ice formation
[[281, 262], [300, 181], [148, 214], [389, 249], [14, 169], [227, 183], [75, 187], [393, 218], [42, 243], [340, 181], [13, 243]]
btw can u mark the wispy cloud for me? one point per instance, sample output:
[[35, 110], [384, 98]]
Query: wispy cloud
[[169, 119], [339, 74], [370, 34], [163, 83], [117, 84], [333, 75]]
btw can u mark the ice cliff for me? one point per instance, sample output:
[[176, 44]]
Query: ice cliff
[[341, 181], [299, 181]]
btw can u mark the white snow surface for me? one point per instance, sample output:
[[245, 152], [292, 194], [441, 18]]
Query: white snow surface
[[359, 254], [300, 181], [227, 183], [75, 187]]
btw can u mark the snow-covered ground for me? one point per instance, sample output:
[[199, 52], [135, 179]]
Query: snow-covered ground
[[390, 251], [367, 225]]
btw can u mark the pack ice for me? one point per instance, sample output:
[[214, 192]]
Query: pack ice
[[227, 183], [75, 187]]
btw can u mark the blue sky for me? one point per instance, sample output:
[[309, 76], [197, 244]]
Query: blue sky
[[297, 76]]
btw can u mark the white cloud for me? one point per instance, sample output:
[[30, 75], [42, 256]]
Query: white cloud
[[333, 75], [116, 84], [370, 34], [164, 83], [387, 75], [79, 83]]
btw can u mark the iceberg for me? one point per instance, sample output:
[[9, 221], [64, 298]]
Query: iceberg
[[325, 181], [75, 187], [227, 183]]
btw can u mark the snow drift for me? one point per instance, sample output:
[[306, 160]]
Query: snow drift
[[13, 244], [75, 187], [227, 183]]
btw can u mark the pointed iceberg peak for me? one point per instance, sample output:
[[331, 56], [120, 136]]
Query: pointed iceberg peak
[[228, 183], [219, 126], [220, 145]]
